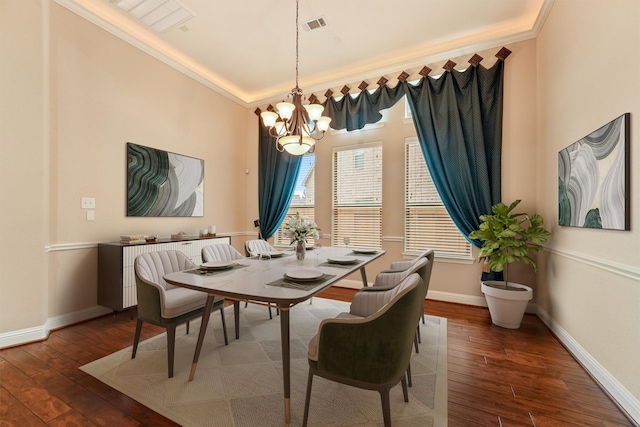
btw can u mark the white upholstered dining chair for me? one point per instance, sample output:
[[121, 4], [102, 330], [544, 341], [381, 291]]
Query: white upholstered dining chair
[[163, 304]]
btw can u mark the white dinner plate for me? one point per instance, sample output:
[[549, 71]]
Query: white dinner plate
[[304, 274], [343, 260], [218, 265], [364, 250]]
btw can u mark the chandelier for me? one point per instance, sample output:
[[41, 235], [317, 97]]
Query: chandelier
[[296, 127]]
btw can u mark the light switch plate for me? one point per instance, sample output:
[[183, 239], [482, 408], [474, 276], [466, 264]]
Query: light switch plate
[[91, 215], [88, 203]]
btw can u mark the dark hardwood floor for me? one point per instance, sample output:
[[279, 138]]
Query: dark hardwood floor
[[496, 377]]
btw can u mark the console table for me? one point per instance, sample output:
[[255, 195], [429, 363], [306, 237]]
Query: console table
[[116, 277]]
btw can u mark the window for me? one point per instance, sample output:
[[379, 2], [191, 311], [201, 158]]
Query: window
[[303, 196], [357, 196], [427, 223]]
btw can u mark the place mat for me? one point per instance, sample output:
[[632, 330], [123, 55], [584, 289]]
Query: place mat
[[210, 272], [339, 265], [293, 284], [361, 254]]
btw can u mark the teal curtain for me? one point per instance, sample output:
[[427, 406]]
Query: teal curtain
[[458, 118], [277, 174]]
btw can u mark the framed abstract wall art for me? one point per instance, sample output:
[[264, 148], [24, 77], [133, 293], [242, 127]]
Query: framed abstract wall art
[[160, 183], [594, 180]]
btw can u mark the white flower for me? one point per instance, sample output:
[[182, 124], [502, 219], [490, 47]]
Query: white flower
[[299, 228]]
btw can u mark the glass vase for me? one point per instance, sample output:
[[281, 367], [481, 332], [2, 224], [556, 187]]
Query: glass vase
[[301, 249]]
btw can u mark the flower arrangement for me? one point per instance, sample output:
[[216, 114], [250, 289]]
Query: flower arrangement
[[299, 228]]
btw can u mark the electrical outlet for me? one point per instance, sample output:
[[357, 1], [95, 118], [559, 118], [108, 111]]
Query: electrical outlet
[[88, 203]]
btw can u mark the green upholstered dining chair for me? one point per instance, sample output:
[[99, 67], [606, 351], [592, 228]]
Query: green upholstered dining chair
[[425, 273], [372, 351], [398, 270], [163, 304]]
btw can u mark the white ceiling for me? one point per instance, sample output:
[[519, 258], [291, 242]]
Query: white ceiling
[[245, 49]]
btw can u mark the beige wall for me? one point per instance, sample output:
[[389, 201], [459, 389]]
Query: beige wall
[[588, 60], [100, 93], [23, 168]]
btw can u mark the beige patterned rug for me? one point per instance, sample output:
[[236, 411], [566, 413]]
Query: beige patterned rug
[[241, 384]]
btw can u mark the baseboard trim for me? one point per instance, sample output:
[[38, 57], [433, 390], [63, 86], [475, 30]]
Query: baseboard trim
[[39, 333], [618, 392]]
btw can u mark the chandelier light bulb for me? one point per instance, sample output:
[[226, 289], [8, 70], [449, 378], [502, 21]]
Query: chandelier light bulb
[[314, 111], [323, 123], [285, 109], [269, 118]]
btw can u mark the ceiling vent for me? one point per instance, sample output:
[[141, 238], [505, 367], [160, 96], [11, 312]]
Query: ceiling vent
[[314, 24], [161, 15]]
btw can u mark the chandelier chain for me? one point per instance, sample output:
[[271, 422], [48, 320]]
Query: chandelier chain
[[297, 37]]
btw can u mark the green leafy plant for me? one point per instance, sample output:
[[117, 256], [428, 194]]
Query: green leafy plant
[[508, 237]]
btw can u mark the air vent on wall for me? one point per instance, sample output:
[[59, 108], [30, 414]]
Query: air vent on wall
[[161, 15], [314, 24]]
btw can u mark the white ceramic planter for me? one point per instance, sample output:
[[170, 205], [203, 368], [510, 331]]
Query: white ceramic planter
[[507, 307]]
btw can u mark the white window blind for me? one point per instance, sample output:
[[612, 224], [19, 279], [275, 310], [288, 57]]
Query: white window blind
[[303, 197], [427, 223], [357, 196]]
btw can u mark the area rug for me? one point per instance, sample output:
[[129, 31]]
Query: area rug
[[241, 384]]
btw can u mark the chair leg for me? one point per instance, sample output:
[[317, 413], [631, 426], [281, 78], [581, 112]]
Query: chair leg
[[307, 399], [224, 326], [136, 338], [405, 392], [409, 376], [171, 344], [270, 316], [415, 342], [423, 318], [386, 407], [418, 332], [187, 327]]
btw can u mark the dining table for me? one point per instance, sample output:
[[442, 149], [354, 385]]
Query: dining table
[[278, 278]]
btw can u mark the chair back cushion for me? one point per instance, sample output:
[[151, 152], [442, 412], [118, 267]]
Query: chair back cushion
[[223, 252], [258, 246], [392, 278], [368, 302], [153, 265], [158, 299]]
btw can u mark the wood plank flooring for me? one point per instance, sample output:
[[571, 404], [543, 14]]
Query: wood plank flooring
[[496, 377]]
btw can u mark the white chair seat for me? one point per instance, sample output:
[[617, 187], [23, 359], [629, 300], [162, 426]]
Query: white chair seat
[[178, 301]]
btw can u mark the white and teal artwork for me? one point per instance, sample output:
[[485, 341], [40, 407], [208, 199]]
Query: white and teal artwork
[[160, 183], [593, 179]]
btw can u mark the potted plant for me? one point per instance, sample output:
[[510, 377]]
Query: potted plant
[[508, 237]]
